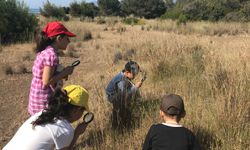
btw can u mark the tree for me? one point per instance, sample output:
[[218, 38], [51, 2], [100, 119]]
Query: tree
[[50, 10], [89, 9], [75, 9], [109, 7], [169, 4], [16, 23], [245, 10], [143, 8], [84, 9]]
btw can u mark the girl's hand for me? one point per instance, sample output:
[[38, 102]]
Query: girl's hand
[[81, 128], [67, 71]]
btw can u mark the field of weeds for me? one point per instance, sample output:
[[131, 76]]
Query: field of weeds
[[208, 64]]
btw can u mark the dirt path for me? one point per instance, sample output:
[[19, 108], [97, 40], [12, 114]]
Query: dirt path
[[13, 104]]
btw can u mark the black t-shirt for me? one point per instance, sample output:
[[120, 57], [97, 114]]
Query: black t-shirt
[[164, 137]]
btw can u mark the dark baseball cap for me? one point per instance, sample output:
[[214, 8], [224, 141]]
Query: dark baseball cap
[[172, 104]]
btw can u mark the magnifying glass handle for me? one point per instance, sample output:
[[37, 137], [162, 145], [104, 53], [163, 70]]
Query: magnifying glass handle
[[75, 63]]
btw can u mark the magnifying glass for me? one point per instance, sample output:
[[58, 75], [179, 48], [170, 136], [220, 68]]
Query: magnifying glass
[[88, 117], [75, 63]]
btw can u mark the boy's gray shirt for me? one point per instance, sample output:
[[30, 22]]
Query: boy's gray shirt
[[119, 82]]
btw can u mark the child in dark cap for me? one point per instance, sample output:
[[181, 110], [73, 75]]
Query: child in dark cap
[[170, 134]]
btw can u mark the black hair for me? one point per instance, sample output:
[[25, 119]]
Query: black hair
[[131, 66], [58, 108], [42, 40]]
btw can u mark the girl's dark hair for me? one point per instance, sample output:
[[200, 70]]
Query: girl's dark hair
[[58, 108], [42, 40]]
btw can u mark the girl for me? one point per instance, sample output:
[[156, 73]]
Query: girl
[[52, 38], [51, 129]]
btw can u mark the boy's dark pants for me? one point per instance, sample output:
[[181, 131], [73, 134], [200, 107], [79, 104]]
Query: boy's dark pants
[[122, 114]]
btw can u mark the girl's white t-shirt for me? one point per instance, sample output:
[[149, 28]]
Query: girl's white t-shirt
[[43, 137]]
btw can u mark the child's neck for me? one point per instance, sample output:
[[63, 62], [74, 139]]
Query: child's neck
[[55, 46], [169, 120]]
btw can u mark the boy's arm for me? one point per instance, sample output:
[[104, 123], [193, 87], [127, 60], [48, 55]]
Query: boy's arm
[[128, 87], [196, 145], [148, 141]]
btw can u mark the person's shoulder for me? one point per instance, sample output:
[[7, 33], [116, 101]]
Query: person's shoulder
[[118, 77], [188, 131], [157, 126], [49, 50], [61, 126]]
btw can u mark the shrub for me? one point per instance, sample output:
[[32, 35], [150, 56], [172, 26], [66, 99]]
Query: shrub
[[233, 16], [8, 70], [66, 18], [142, 28], [101, 20], [129, 54], [15, 69], [173, 13], [121, 29], [28, 57], [130, 20], [117, 57], [182, 20], [141, 22], [87, 35], [16, 24], [198, 58], [20, 69]]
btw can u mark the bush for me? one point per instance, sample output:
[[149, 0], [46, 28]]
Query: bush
[[100, 20], [117, 57], [87, 35], [173, 13], [182, 20], [15, 69], [131, 20], [16, 24]]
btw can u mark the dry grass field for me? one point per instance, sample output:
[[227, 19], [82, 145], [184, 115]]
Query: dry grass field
[[206, 63]]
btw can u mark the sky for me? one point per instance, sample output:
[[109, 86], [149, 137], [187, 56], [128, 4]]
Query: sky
[[39, 3]]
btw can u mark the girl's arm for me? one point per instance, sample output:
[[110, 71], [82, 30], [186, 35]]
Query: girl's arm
[[48, 72], [78, 131]]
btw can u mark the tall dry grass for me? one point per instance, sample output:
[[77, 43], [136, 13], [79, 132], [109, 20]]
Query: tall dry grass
[[210, 72], [203, 28]]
